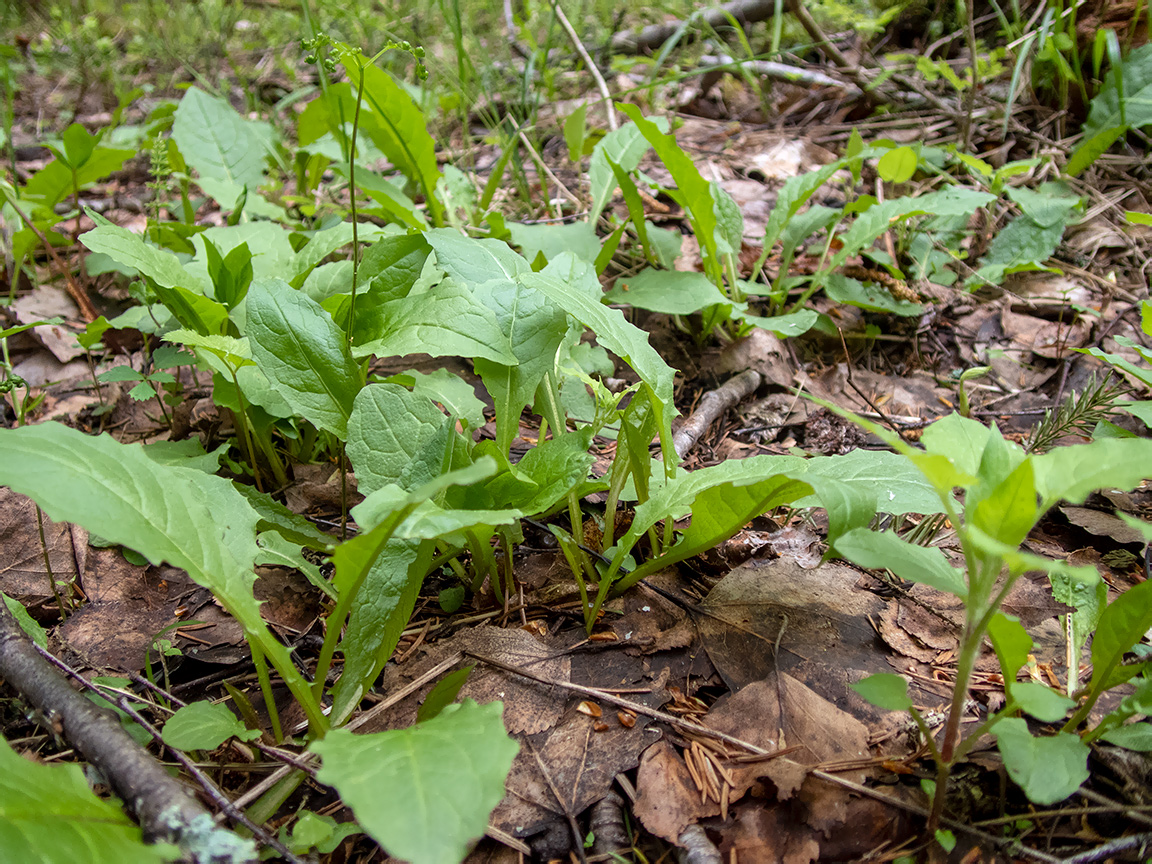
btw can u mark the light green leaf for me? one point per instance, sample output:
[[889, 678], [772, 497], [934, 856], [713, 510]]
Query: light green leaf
[[389, 437], [48, 815], [303, 353], [897, 165], [159, 265], [187, 518], [1011, 642], [1122, 625], [924, 564], [220, 144], [873, 296], [885, 690], [1073, 472], [443, 694], [27, 623], [423, 793], [1048, 769], [445, 321], [579, 238], [1041, 702], [894, 483], [668, 291], [625, 146], [454, 393], [204, 726], [785, 326], [960, 439], [535, 327], [1134, 736], [473, 262], [1008, 511]]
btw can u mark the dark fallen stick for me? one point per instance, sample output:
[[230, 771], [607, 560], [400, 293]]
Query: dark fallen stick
[[163, 807], [655, 35]]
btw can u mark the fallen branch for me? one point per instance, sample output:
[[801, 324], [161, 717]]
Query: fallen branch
[[165, 810], [655, 35], [712, 405], [775, 71]]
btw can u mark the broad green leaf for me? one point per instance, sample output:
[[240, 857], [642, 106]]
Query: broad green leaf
[[885, 690], [1011, 642], [54, 182], [443, 694], [204, 726], [274, 516], [1134, 736], [188, 453], [319, 832], [473, 262], [574, 129], [1073, 472], [621, 338], [382, 610], [961, 439], [691, 187], [884, 550], [1041, 702], [872, 296], [718, 512], [1048, 769], [848, 505], [794, 195], [729, 220], [455, 394], [1122, 625], [1020, 245], [897, 165], [395, 124], [1051, 204], [303, 353], [1008, 511], [159, 265], [668, 291], [393, 203], [181, 516], [220, 144], [579, 238], [894, 483], [447, 320], [785, 326], [48, 815], [534, 327], [547, 473], [1106, 112], [277, 551], [423, 793], [389, 434]]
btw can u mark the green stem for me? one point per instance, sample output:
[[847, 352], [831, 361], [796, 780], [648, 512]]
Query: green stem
[[266, 690]]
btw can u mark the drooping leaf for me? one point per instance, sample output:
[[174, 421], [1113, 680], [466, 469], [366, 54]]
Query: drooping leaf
[[1070, 473], [48, 815], [882, 549], [181, 516], [550, 240], [1048, 769], [473, 262], [423, 793], [303, 353]]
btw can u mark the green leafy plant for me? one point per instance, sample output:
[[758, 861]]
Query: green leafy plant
[[1005, 493]]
